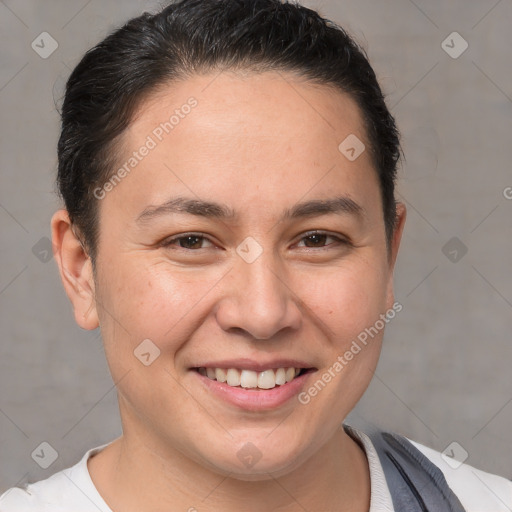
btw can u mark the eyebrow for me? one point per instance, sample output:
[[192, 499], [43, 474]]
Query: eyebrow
[[341, 205]]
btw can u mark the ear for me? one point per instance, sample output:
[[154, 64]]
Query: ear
[[75, 269], [401, 214]]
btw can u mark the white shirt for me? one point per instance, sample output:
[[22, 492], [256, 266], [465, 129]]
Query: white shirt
[[72, 489]]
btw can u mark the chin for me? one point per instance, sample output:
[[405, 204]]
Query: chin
[[250, 464], [261, 471]]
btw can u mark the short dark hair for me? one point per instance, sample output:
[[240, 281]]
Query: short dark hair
[[196, 36]]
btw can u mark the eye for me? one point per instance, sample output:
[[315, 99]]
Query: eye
[[318, 238], [194, 241], [190, 241]]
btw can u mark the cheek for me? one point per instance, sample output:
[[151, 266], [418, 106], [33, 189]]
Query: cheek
[[139, 301], [147, 316], [349, 301], [347, 298]]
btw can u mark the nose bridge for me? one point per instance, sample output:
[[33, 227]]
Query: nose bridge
[[264, 289], [263, 279], [258, 265], [263, 302]]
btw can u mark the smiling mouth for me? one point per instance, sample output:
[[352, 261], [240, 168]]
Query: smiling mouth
[[249, 379]]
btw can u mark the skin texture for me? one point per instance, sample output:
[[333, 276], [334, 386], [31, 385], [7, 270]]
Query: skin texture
[[259, 144]]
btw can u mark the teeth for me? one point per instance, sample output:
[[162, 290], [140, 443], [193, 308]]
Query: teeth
[[280, 376], [233, 377], [267, 379], [248, 378], [290, 374], [220, 375]]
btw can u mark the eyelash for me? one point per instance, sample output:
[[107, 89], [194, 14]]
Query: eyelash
[[170, 241]]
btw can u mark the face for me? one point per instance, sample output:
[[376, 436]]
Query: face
[[257, 282]]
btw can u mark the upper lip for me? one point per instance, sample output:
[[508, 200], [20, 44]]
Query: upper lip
[[256, 366]]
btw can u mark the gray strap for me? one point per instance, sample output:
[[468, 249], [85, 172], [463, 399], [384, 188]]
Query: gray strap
[[415, 483]]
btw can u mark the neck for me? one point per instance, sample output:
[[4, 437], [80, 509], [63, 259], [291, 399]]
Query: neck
[[132, 476]]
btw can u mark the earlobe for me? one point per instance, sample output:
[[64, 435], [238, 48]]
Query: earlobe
[[75, 269]]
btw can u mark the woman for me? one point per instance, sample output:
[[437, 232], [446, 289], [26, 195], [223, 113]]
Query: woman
[[205, 153]]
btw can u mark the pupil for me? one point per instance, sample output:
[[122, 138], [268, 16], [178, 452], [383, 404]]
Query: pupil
[[185, 241], [317, 237]]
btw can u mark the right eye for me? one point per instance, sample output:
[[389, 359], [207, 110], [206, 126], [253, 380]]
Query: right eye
[[188, 241]]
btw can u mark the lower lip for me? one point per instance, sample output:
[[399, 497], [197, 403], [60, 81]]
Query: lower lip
[[255, 399]]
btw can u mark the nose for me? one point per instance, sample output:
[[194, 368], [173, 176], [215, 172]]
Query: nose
[[259, 299]]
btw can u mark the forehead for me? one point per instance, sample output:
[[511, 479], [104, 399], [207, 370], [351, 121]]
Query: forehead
[[265, 136], [261, 100]]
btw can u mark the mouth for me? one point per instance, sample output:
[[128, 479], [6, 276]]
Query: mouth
[[259, 389], [250, 379]]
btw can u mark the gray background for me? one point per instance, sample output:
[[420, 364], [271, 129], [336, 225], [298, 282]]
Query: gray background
[[445, 373]]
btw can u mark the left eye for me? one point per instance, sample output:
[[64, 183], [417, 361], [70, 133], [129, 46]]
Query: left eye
[[193, 241], [318, 237], [186, 241]]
